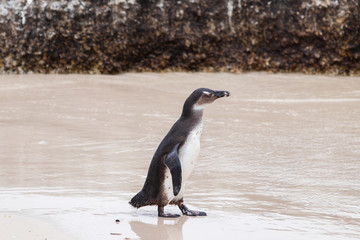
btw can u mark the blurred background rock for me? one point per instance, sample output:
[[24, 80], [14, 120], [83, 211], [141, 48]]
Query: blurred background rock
[[113, 36]]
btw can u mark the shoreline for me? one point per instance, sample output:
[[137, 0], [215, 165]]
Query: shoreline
[[78, 147]]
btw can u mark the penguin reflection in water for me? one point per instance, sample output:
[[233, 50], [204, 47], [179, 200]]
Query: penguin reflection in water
[[174, 159]]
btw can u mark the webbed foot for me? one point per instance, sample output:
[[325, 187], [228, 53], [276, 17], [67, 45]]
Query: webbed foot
[[166, 215], [186, 211]]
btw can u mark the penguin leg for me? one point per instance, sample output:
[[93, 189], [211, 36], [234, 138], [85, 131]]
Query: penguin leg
[[186, 211], [166, 215]]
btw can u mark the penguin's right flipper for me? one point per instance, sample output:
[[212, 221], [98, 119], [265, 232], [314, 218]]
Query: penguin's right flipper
[[172, 161]]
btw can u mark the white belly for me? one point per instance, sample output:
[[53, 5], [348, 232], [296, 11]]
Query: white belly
[[188, 154]]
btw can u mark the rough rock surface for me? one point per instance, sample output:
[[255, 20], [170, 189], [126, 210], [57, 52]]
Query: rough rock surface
[[112, 36]]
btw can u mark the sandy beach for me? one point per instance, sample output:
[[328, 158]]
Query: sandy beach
[[20, 227], [279, 158]]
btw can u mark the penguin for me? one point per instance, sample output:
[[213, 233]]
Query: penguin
[[175, 156]]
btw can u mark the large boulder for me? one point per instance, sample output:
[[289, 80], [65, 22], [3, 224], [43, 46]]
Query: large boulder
[[112, 36]]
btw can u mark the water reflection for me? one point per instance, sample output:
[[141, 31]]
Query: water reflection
[[164, 229]]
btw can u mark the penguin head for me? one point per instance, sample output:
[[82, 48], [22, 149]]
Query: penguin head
[[200, 97]]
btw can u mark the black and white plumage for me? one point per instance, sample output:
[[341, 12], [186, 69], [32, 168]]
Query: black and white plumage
[[174, 159]]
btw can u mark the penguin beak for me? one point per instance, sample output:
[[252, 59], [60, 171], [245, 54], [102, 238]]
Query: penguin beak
[[220, 94]]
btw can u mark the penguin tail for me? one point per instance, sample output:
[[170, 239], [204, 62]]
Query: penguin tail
[[139, 200]]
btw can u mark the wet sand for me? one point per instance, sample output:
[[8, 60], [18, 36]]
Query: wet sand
[[279, 157], [20, 227]]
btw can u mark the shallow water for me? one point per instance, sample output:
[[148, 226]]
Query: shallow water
[[279, 157]]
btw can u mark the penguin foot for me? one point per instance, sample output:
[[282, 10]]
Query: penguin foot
[[169, 215], [166, 215], [186, 211]]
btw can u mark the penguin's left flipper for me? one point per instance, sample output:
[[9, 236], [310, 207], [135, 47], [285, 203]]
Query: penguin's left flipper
[[172, 161]]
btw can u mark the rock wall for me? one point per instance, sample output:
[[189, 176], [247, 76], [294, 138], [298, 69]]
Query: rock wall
[[112, 36]]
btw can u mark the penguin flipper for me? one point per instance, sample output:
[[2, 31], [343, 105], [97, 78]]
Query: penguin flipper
[[172, 161]]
